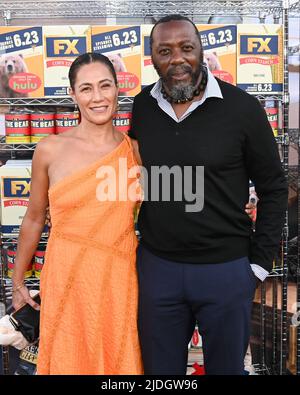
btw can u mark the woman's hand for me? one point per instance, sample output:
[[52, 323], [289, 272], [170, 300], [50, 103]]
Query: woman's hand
[[251, 210], [48, 219], [21, 296]]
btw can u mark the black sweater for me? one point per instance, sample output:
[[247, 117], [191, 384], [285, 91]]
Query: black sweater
[[232, 139]]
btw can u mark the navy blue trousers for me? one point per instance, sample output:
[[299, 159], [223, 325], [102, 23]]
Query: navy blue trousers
[[173, 295]]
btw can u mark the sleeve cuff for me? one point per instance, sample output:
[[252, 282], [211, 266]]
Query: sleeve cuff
[[259, 272]]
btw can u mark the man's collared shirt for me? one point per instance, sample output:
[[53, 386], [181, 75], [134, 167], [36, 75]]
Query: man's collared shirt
[[212, 90]]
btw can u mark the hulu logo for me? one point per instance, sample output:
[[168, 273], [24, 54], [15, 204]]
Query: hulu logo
[[26, 86]]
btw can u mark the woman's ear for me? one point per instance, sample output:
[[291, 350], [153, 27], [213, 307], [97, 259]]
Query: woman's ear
[[71, 93]]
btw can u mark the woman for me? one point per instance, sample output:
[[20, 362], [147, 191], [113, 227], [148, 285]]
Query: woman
[[88, 284]]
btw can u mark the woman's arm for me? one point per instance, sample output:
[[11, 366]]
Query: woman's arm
[[32, 224]]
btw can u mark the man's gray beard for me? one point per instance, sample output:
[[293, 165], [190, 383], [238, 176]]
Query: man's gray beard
[[182, 92]]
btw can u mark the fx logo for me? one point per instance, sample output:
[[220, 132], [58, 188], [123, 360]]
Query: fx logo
[[65, 46], [262, 44], [16, 187], [259, 45]]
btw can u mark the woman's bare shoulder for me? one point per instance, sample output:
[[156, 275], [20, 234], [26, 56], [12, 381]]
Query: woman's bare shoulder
[[47, 144], [48, 148], [54, 142]]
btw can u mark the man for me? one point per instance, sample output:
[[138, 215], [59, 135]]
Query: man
[[202, 263]]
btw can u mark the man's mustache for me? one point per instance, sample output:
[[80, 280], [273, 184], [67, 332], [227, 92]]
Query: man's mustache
[[179, 70]]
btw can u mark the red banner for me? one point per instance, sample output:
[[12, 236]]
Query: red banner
[[59, 62], [264, 62], [223, 75], [11, 203], [147, 62]]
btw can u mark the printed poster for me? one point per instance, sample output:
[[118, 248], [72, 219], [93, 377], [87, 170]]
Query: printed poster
[[21, 62], [260, 58], [219, 44], [122, 45], [14, 192], [149, 74], [62, 45]]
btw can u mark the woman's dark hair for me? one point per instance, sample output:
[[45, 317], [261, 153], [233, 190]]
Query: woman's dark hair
[[87, 58]]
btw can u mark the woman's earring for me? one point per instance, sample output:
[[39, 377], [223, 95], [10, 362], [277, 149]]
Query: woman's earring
[[75, 107]]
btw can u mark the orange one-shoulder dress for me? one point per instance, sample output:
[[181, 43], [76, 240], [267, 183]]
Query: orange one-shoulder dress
[[89, 290]]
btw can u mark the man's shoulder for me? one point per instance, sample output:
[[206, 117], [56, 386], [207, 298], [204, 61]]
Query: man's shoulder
[[145, 93], [234, 94]]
